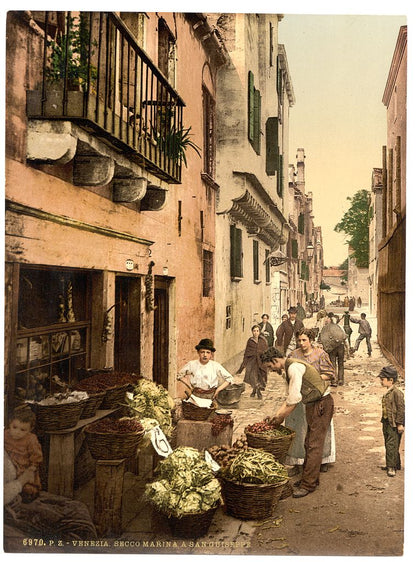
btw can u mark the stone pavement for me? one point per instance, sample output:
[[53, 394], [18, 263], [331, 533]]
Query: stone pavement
[[147, 532]]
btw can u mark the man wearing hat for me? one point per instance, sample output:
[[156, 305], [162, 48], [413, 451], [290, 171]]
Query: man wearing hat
[[286, 334], [392, 418], [205, 374]]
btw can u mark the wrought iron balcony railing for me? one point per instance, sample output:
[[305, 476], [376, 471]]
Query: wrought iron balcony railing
[[94, 72]]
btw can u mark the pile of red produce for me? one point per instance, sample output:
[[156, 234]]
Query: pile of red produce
[[267, 426], [219, 423], [106, 380], [114, 425]]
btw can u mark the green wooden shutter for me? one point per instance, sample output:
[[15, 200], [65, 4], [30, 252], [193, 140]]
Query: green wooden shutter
[[280, 186], [301, 223], [257, 121], [250, 106], [272, 146], [255, 261], [295, 251], [236, 248]]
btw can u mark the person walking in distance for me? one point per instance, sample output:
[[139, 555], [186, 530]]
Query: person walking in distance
[[256, 374], [305, 385], [364, 331], [286, 333], [392, 418], [267, 329], [332, 337]]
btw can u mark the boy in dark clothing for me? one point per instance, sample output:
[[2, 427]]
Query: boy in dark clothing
[[392, 418]]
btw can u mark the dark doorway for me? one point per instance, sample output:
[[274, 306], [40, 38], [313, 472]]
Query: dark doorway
[[127, 325], [161, 333]]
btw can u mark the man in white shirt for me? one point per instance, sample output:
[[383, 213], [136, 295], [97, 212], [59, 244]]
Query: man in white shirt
[[205, 373], [308, 386]]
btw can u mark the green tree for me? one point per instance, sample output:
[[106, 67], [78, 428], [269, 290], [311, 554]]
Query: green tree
[[355, 223]]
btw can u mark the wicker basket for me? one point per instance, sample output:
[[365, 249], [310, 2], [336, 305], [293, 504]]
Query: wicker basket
[[92, 404], [55, 417], [251, 501], [114, 397], [193, 525], [112, 446], [192, 412], [287, 491], [278, 445]]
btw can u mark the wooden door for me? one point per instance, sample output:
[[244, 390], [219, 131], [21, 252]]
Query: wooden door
[[161, 333], [127, 325]]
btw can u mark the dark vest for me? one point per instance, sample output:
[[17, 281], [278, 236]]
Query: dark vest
[[313, 387]]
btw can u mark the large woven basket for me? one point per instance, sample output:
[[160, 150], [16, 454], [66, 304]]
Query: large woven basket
[[192, 412], [92, 404], [193, 525], [112, 446], [55, 417], [251, 501], [278, 445], [114, 397]]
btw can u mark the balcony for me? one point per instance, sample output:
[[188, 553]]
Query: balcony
[[94, 74]]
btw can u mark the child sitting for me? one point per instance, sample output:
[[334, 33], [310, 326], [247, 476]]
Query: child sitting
[[24, 449], [392, 418]]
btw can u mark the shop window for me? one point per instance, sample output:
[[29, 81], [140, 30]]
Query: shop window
[[54, 320]]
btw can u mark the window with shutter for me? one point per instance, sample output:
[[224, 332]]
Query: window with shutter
[[280, 178], [267, 266], [250, 106], [272, 146], [256, 272], [257, 122], [301, 223], [236, 261], [295, 252]]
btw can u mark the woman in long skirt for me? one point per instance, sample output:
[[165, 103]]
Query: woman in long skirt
[[255, 375]]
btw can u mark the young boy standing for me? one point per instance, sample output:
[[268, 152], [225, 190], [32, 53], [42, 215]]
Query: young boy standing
[[392, 418]]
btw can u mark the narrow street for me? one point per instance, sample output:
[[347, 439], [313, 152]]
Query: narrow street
[[347, 515]]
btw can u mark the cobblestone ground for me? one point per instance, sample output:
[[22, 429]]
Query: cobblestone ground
[[357, 510]]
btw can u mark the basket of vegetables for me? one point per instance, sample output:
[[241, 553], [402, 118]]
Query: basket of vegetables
[[275, 439], [112, 438], [95, 398], [152, 401], [186, 492], [59, 411], [112, 383], [252, 484]]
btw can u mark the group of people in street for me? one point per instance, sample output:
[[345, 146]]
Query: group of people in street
[[311, 360]]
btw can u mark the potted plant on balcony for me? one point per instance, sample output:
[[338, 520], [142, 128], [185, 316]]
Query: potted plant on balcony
[[70, 58]]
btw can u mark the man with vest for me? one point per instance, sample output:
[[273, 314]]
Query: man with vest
[[308, 386]]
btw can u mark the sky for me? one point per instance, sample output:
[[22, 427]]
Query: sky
[[339, 65]]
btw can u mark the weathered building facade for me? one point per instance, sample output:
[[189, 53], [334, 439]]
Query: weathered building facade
[[375, 236], [110, 233], [253, 97], [392, 247], [305, 245]]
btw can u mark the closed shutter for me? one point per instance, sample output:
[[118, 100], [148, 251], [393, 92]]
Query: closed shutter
[[272, 146], [250, 106], [257, 121], [236, 269]]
